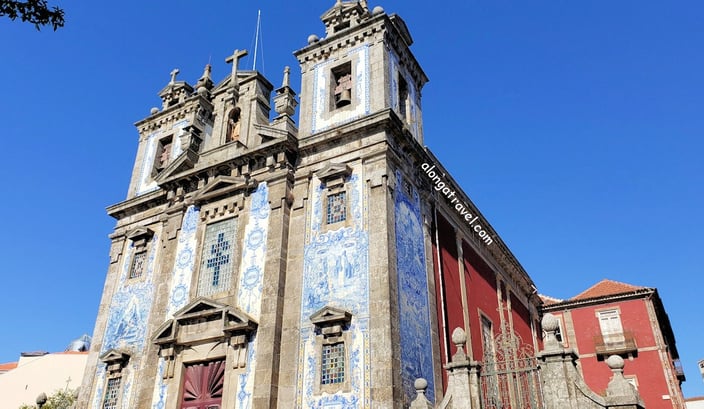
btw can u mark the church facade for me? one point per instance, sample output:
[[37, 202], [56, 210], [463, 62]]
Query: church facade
[[257, 263]]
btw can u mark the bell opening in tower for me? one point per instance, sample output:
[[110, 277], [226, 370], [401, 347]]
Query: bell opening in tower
[[342, 82]]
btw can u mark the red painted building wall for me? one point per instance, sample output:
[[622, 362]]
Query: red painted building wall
[[646, 364], [467, 289]]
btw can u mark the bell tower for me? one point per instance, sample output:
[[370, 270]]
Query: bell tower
[[361, 66], [363, 320]]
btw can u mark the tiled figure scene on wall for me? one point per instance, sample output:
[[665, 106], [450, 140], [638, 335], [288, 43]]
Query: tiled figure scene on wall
[[414, 310], [336, 274]]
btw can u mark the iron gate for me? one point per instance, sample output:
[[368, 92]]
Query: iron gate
[[509, 376]]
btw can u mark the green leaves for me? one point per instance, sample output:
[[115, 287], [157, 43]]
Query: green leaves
[[36, 12], [59, 400]]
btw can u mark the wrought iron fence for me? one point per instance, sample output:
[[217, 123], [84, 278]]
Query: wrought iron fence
[[509, 376]]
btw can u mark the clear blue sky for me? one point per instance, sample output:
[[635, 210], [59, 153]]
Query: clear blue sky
[[576, 127]]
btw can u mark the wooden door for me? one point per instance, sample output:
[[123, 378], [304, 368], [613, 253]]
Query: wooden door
[[203, 385]]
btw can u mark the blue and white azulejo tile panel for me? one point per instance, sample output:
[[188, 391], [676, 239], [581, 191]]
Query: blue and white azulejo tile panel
[[180, 288], [245, 381], [336, 273], [179, 131], [394, 73], [323, 118], [128, 317], [159, 394], [414, 309], [185, 261], [130, 305], [146, 183], [249, 293]]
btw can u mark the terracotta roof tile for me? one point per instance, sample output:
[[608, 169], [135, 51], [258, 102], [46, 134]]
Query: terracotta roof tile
[[8, 366], [604, 288], [547, 300]]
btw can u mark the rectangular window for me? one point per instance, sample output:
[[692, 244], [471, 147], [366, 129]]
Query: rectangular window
[[492, 368], [560, 334], [403, 100], [138, 262], [112, 393], [337, 208], [217, 259], [610, 325], [487, 340], [163, 154], [333, 364]]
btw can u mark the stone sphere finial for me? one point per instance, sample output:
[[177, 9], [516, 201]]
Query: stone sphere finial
[[202, 91], [459, 337], [377, 10], [313, 39], [41, 398], [420, 384], [154, 110], [550, 323], [615, 362]]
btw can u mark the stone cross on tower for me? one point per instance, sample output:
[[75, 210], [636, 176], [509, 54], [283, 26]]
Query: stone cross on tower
[[174, 73], [235, 60]]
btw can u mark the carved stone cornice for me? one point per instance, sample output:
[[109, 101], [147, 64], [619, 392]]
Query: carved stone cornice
[[137, 204], [323, 48], [202, 321]]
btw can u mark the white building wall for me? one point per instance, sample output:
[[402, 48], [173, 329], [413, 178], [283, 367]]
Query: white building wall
[[34, 375]]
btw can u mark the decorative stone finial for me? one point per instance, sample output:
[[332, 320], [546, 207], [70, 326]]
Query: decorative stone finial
[[154, 111], [285, 99], [421, 402], [459, 338], [618, 386], [377, 10], [313, 39], [287, 77], [550, 325], [206, 71], [205, 81], [615, 362], [41, 399]]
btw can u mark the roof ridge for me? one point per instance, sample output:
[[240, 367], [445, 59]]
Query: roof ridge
[[607, 287], [548, 299]]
